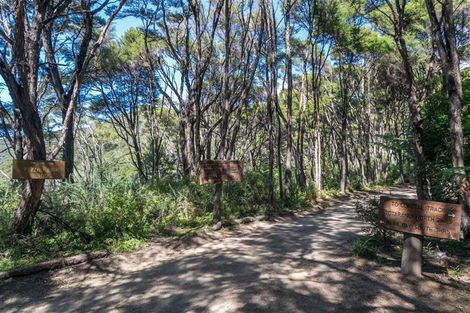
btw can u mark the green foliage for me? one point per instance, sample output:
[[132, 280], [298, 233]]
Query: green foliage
[[378, 240], [437, 140], [9, 197], [369, 212], [367, 247], [121, 214]]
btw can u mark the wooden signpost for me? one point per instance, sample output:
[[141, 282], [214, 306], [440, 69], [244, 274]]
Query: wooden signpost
[[220, 171], [217, 172], [416, 219], [25, 169]]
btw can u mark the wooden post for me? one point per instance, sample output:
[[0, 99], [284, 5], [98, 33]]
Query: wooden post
[[217, 202], [412, 255], [217, 172]]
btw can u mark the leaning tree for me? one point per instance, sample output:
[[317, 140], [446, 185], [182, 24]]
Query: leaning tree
[[33, 37]]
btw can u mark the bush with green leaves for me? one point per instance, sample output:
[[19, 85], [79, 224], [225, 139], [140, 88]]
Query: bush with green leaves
[[118, 212], [125, 208], [437, 141], [366, 248], [9, 198], [369, 212]]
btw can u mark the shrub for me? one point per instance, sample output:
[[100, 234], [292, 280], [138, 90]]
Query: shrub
[[119, 213], [366, 248], [369, 212], [9, 197]]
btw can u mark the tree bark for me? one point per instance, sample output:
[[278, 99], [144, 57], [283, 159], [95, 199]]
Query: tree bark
[[413, 245], [266, 8], [443, 35], [289, 152], [69, 151], [300, 165], [226, 107], [344, 90]]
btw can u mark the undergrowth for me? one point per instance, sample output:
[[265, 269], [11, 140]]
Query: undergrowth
[[123, 214]]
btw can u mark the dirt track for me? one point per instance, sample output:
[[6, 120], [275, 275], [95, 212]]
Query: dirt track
[[301, 264]]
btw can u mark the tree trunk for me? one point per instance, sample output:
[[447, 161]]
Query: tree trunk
[[216, 212], [443, 35], [317, 160], [267, 19], [344, 90], [400, 156], [185, 153], [412, 245], [18, 136], [69, 150], [344, 158], [226, 108], [29, 204], [289, 152], [368, 167], [421, 173], [32, 192], [279, 154], [300, 165]]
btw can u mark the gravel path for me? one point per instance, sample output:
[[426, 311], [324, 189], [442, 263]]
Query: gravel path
[[301, 264]]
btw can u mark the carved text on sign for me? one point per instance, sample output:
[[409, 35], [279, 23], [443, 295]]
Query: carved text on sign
[[419, 217], [25, 169], [219, 171]]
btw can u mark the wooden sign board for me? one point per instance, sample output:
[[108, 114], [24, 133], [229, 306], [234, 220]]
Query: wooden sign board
[[419, 217], [219, 171], [25, 169]]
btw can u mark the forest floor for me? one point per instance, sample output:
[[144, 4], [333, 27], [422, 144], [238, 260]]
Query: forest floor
[[293, 264]]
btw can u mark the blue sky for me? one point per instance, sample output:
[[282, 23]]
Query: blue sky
[[119, 28], [122, 25]]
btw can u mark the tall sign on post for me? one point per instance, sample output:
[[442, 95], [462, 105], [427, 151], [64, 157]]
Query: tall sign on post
[[217, 172], [422, 218], [220, 171]]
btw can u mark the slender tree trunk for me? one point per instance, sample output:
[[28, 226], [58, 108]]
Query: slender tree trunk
[[344, 153], [183, 146], [289, 152], [69, 150], [317, 160], [411, 261], [279, 155], [400, 155], [421, 174], [367, 135], [209, 147], [18, 136], [344, 90], [266, 13], [316, 93], [300, 165], [226, 108], [138, 158], [270, 151], [275, 98]]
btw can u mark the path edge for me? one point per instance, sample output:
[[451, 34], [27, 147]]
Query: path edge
[[53, 264]]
